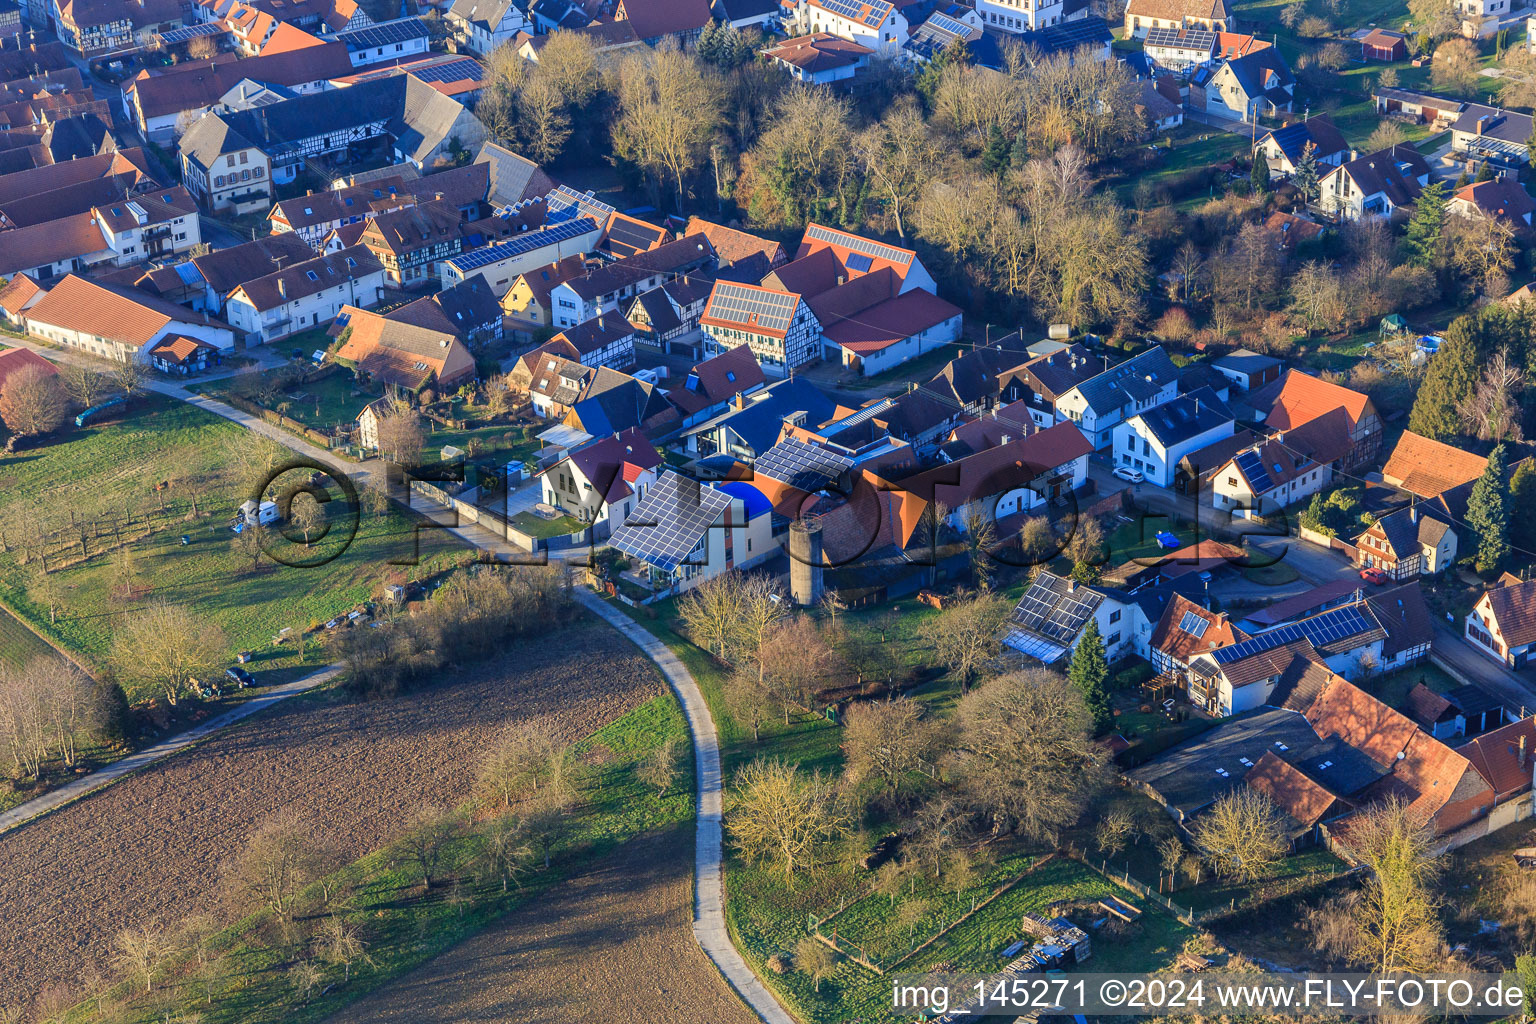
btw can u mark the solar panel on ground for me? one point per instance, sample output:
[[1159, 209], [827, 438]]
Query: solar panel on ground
[[521, 244], [867, 246], [737, 303], [670, 520], [1193, 624], [1253, 468]]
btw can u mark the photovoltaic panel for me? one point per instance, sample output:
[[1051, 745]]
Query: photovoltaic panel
[[947, 24], [670, 520], [1076, 33], [872, 14], [565, 203], [1189, 40], [859, 262], [1321, 630], [1193, 624], [521, 244], [867, 246], [1049, 608], [385, 33], [465, 70], [802, 465], [189, 32], [1253, 468], [736, 303]]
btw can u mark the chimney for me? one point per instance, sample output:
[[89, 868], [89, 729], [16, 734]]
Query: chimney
[[1481, 122], [1413, 513], [741, 401], [1071, 586], [282, 287], [1522, 750]]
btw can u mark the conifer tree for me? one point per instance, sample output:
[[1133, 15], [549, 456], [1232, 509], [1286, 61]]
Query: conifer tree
[[1089, 673], [1488, 514]]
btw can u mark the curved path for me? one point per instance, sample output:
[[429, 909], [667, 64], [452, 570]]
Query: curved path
[[708, 885]]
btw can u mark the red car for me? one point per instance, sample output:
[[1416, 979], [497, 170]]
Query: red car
[[1375, 577]]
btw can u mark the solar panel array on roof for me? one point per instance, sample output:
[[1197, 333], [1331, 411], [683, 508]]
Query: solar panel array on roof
[[868, 247], [1193, 624], [467, 69], [806, 466], [565, 203], [1053, 610], [1253, 468], [384, 33], [188, 32], [773, 311], [1074, 33], [523, 243], [670, 520], [874, 14], [1188, 39], [1321, 630], [1034, 646], [944, 23], [859, 262]]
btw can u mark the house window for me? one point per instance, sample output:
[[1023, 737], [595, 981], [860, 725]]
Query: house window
[[1114, 616]]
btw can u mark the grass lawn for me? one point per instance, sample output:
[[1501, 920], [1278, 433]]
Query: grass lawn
[[1194, 146], [320, 404], [1392, 689], [109, 472], [538, 526], [405, 927], [18, 644]]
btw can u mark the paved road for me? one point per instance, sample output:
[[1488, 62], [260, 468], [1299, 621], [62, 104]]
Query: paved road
[[87, 784], [1462, 659], [709, 890]]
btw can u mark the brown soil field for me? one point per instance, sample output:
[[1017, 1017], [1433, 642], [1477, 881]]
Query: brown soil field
[[150, 848], [613, 945]]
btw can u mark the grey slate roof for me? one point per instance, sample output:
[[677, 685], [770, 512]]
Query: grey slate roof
[[1504, 125], [1184, 417], [1139, 377], [210, 138]]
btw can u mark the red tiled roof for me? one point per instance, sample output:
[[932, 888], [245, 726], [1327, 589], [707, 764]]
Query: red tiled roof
[[125, 315], [1365, 723], [13, 359], [1181, 645], [882, 325], [1303, 799], [1504, 756], [654, 18], [1425, 706], [1514, 611], [20, 291], [732, 245], [1428, 467], [821, 51], [1302, 398], [178, 348]]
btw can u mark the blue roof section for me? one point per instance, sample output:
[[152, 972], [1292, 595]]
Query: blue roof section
[[1185, 417], [755, 501], [189, 273], [760, 423]]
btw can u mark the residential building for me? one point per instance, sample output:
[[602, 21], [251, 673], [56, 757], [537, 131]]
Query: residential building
[[1161, 112], [469, 309], [54, 248], [149, 226], [20, 294], [553, 376], [117, 323], [625, 236], [224, 170], [744, 14], [1153, 442], [1040, 382], [391, 41], [755, 421], [712, 385], [1284, 148], [1428, 468], [1143, 15], [410, 242], [527, 301], [1481, 132], [972, 380], [604, 288], [1185, 630], [820, 58], [1259, 84], [1299, 398], [601, 482], [778, 327], [501, 263], [1378, 184], [1282, 471], [92, 28], [1048, 622], [1413, 541], [1502, 624], [1103, 401], [1248, 370], [683, 532], [605, 340], [1503, 199], [667, 317], [876, 24], [657, 21], [315, 215], [1178, 48], [215, 274], [305, 295], [480, 26], [402, 355], [1483, 18], [514, 178], [612, 402]]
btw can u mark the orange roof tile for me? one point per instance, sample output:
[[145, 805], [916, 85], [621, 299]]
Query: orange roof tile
[[1180, 644], [1294, 793], [1427, 467], [1302, 398], [1504, 756]]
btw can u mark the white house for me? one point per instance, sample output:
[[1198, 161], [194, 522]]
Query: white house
[[601, 483], [1267, 477], [606, 340], [150, 226], [779, 327], [876, 24], [1103, 401], [387, 41], [1375, 185], [117, 323], [1048, 622], [305, 295], [1502, 624], [820, 58], [684, 532], [480, 26], [1155, 441], [1022, 15]]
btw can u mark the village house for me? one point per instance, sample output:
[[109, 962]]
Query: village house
[[684, 532], [1154, 441], [613, 401], [305, 295], [94, 27], [601, 482], [1248, 370], [1282, 471], [1481, 132], [1143, 15], [1378, 184], [778, 327], [401, 355], [744, 14], [1258, 84], [658, 21], [602, 289], [1427, 468], [1503, 199], [182, 355], [606, 340], [20, 294], [1040, 382], [468, 309], [526, 302], [213, 275], [150, 226], [501, 262], [1413, 541], [116, 323], [820, 58], [226, 171], [1481, 19], [479, 26], [712, 385], [552, 376], [755, 421], [1103, 401], [1300, 398], [1382, 44], [1185, 630], [1502, 624], [315, 215], [1284, 148], [1048, 622], [876, 24], [667, 317], [410, 242]]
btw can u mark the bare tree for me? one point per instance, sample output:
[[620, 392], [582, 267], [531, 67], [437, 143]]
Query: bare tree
[[1243, 835], [432, 832], [966, 636], [815, 958], [980, 538], [168, 645], [504, 848], [782, 816], [1025, 754], [140, 953], [660, 769], [1456, 66], [1398, 914], [202, 48], [898, 155], [307, 514], [747, 699], [669, 109], [400, 434], [712, 611], [762, 608], [1113, 832], [342, 945], [32, 402], [281, 858], [795, 663], [129, 376], [887, 741], [523, 757], [1492, 411], [83, 384]]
